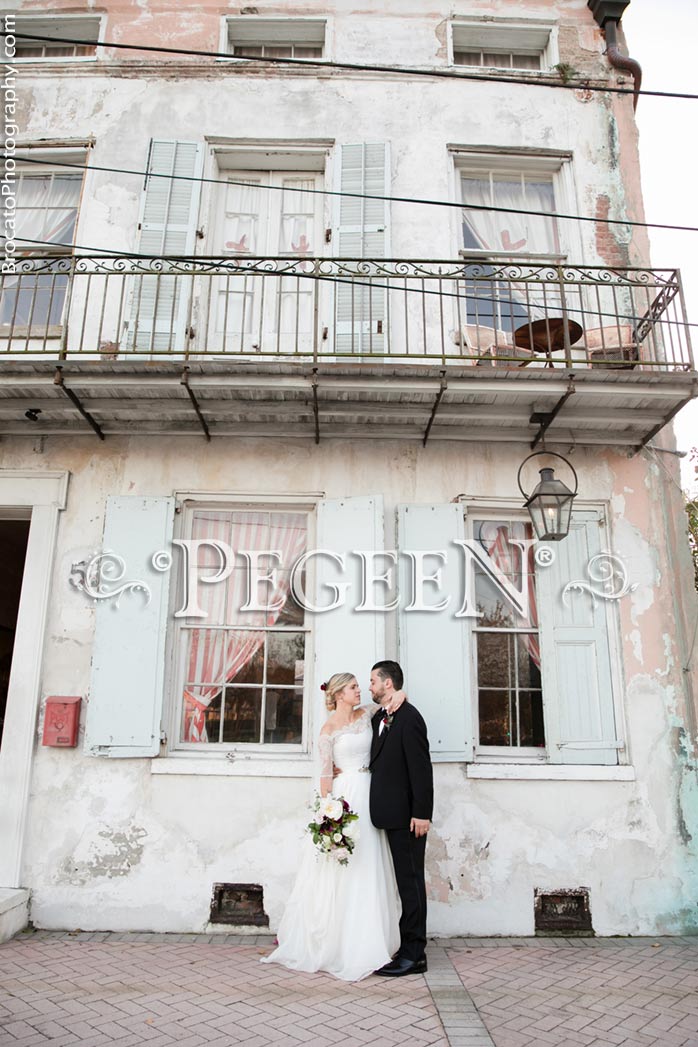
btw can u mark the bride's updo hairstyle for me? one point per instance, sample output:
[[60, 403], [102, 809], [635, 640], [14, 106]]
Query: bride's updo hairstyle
[[336, 683]]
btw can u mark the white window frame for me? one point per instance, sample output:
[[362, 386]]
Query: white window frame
[[511, 757], [273, 31], [71, 154], [506, 37], [28, 23], [271, 757], [552, 164]]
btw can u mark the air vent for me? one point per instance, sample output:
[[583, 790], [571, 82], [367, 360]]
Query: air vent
[[241, 904], [564, 912]]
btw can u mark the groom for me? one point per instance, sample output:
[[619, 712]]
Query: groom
[[402, 794]]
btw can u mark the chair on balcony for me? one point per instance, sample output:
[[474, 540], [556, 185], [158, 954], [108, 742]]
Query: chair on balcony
[[489, 346], [613, 346]]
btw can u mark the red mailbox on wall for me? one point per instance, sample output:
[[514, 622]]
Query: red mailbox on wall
[[61, 721]]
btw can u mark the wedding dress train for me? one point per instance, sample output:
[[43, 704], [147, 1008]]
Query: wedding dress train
[[343, 919]]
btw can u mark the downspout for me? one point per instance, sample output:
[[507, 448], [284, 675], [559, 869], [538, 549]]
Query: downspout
[[608, 14]]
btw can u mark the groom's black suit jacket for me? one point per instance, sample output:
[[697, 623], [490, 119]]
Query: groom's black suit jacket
[[402, 784]]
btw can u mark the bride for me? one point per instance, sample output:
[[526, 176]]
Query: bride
[[344, 919]]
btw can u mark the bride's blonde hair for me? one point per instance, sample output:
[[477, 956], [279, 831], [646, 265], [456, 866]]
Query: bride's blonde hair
[[336, 683]]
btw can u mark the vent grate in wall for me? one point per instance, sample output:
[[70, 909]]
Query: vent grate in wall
[[241, 904], [564, 912]]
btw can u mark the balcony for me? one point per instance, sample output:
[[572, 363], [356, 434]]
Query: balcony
[[311, 347]]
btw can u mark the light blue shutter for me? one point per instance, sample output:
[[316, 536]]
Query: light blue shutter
[[160, 304], [360, 323], [346, 640], [128, 656], [433, 645], [575, 652]]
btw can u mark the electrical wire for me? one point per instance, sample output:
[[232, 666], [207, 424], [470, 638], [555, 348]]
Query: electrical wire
[[360, 196], [103, 252], [358, 67]]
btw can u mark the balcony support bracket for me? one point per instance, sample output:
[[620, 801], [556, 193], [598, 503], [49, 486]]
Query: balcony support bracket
[[316, 407], [665, 421], [195, 403], [58, 380], [544, 419], [437, 401]]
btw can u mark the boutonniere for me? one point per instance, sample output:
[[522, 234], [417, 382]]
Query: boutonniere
[[388, 721]]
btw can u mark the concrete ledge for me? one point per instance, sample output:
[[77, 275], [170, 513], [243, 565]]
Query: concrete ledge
[[14, 911]]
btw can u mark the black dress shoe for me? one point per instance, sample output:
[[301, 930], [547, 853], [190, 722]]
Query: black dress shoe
[[400, 966]]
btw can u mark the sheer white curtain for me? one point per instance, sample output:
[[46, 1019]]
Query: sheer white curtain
[[216, 655], [47, 209], [514, 234]]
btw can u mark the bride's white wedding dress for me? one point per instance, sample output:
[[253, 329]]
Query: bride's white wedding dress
[[343, 919]]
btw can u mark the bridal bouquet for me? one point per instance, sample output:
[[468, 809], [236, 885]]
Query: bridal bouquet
[[333, 830]]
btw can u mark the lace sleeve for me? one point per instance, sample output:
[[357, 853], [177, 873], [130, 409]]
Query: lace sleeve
[[325, 749]]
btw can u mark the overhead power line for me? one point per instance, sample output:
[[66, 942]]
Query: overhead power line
[[316, 63], [367, 281], [363, 196]]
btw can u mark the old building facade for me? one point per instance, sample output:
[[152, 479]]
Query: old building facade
[[318, 277]]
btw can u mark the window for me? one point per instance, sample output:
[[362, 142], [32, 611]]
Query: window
[[507, 643], [242, 671], [266, 214], [543, 672], [502, 45], [47, 210], [85, 30], [250, 37], [519, 185]]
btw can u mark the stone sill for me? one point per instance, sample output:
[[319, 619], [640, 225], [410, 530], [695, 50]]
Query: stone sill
[[240, 767], [550, 772]]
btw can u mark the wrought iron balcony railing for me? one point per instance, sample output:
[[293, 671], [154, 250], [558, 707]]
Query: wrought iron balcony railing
[[469, 312]]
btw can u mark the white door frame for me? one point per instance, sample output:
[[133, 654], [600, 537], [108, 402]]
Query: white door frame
[[44, 495]]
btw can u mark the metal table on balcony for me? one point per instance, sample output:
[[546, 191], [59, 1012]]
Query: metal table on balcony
[[548, 335]]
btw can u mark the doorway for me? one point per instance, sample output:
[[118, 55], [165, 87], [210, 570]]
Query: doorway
[[14, 535]]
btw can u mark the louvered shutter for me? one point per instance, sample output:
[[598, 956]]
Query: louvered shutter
[[360, 320], [346, 640], [576, 653], [160, 304], [433, 645], [128, 654]]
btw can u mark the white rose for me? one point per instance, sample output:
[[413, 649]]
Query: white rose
[[326, 842], [331, 808], [337, 837], [352, 831], [340, 854]]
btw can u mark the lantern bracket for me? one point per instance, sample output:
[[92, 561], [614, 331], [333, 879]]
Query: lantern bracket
[[545, 418], [550, 454]]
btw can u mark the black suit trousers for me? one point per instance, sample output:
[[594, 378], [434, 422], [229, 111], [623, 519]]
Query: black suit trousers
[[408, 858]]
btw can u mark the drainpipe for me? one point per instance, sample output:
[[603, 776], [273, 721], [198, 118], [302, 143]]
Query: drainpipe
[[608, 14]]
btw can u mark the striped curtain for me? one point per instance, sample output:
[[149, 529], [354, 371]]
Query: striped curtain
[[218, 654], [509, 560]]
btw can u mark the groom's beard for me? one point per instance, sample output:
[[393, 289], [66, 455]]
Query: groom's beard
[[378, 699]]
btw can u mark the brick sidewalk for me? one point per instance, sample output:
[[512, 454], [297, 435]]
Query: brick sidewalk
[[90, 990]]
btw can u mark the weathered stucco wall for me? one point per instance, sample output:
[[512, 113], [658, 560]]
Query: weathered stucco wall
[[113, 845]]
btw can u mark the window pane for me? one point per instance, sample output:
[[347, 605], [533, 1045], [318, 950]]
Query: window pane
[[496, 610], [202, 714], [495, 719], [494, 668], [283, 718], [526, 61], [242, 714], [252, 670], [285, 659], [307, 52], [466, 57], [496, 58], [531, 718], [248, 50], [278, 51]]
